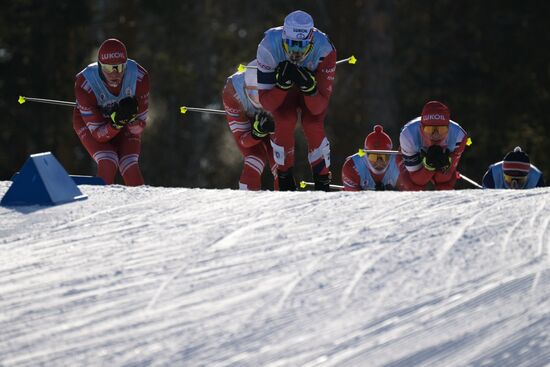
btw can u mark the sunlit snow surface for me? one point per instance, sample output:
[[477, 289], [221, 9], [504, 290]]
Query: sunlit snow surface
[[188, 277]]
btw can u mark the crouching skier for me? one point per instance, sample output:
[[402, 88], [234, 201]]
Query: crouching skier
[[112, 98], [431, 147], [372, 171], [250, 125], [515, 171], [296, 70]]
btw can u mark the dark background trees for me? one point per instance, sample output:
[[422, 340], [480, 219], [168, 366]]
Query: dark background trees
[[488, 61]]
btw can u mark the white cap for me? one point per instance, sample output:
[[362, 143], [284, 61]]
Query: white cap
[[298, 26], [251, 84]]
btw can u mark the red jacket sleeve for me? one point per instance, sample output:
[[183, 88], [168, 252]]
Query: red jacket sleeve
[[271, 99], [142, 96], [325, 74], [422, 176], [238, 121], [450, 173], [350, 176]]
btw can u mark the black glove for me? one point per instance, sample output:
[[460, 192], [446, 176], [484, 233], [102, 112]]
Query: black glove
[[284, 75], [305, 79], [263, 125], [436, 158], [124, 111]]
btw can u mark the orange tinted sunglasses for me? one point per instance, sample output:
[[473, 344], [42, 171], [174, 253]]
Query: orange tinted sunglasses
[[430, 129], [373, 157]]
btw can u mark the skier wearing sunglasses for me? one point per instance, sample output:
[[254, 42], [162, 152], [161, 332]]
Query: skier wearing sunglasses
[[372, 171], [112, 98], [515, 171], [431, 147], [296, 70]]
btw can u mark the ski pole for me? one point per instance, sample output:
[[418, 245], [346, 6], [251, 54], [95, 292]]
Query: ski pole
[[184, 109], [460, 175], [350, 60], [23, 99], [304, 185], [362, 152]]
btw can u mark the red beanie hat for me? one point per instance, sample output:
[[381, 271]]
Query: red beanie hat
[[378, 139], [112, 52], [435, 113]]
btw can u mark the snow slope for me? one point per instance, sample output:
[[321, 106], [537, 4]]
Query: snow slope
[[172, 276]]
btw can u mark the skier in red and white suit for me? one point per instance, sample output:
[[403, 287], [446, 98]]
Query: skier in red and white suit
[[112, 98], [372, 171], [250, 126], [431, 147], [296, 70]]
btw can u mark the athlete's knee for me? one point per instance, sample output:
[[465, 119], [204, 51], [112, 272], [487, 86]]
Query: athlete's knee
[[130, 171], [106, 169], [320, 156], [283, 156], [252, 173]]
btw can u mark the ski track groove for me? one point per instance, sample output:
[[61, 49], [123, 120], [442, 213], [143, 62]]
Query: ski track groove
[[540, 250], [380, 300], [213, 246], [287, 290], [377, 305], [455, 237], [223, 243], [459, 232], [541, 234], [359, 274], [70, 224], [536, 214], [408, 324], [508, 235], [310, 270], [363, 268]]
